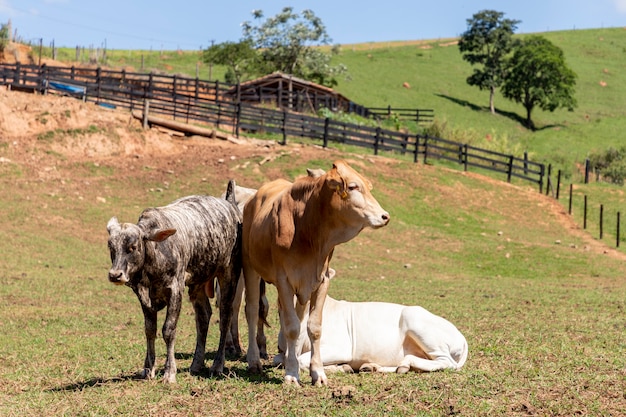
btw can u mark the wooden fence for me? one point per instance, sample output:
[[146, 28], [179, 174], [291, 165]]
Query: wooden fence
[[415, 115], [198, 101]]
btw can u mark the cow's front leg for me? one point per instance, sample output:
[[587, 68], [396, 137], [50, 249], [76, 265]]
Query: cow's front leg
[[202, 310], [150, 326], [314, 329], [252, 280], [290, 325], [169, 334]]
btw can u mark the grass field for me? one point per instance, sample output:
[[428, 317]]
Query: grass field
[[544, 321], [541, 302]]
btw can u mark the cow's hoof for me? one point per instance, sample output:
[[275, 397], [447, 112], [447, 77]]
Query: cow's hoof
[[169, 378], [291, 381], [216, 370], [146, 373], [402, 369], [319, 379], [368, 367], [196, 369], [255, 368], [347, 368]]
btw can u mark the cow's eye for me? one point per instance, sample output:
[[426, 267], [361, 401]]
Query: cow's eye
[[352, 186]]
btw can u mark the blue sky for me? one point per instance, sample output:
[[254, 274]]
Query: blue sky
[[194, 24]]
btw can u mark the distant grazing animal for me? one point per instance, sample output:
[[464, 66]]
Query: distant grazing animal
[[383, 337], [188, 242], [289, 233]]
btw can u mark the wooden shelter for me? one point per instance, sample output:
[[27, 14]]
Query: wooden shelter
[[289, 93]]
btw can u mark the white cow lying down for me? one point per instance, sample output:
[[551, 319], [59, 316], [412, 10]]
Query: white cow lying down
[[383, 337]]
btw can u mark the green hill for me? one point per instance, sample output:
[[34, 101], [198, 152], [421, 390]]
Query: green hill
[[437, 76]]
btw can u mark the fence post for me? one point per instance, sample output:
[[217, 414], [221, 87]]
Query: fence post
[[326, 123], [237, 119], [146, 110], [416, 152], [601, 220], [99, 82], [285, 127], [558, 184], [510, 170], [525, 163], [617, 232], [571, 192], [376, 140], [542, 173], [585, 213], [549, 179], [425, 148], [389, 110], [174, 94], [463, 156], [587, 171]]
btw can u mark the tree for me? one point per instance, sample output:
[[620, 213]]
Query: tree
[[539, 77], [288, 42], [239, 57], [4, 37], [487, 42]]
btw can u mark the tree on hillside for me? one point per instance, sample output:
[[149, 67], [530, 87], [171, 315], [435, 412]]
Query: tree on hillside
[[487, 42], [288, 42], [239, 57], [539, 77], [4, 37]]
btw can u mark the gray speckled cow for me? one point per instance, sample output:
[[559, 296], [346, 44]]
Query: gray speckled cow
[[188, 242]]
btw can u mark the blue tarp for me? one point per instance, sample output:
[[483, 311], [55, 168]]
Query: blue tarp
[[71, 89]]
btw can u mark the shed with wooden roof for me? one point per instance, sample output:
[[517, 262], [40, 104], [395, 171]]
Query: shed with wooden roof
[[289, 93]]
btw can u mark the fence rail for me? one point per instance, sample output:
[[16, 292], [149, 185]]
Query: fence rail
[[199, 101], [416, 115]]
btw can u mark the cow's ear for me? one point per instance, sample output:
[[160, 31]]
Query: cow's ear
[[336, 182], [160, 235], [113, 225]]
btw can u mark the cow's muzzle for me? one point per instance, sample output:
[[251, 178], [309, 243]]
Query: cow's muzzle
[[117, 277]]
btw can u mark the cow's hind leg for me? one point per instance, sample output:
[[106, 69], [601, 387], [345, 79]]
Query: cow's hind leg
[[415, 363], [228, 287], [202, 309], [233, 340]]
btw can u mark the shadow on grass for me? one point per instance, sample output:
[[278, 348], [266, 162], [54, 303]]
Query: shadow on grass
[[238, 371], [510, 115]]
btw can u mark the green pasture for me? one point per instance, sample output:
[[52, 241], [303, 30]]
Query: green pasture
[[544, 320]]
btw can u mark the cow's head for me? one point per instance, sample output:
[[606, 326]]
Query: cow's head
[[356, 199], [128, 249]]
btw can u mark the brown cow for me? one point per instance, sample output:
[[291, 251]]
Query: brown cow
[[289, 233]]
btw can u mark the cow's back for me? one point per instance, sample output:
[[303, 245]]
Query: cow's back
[[205, 226]]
